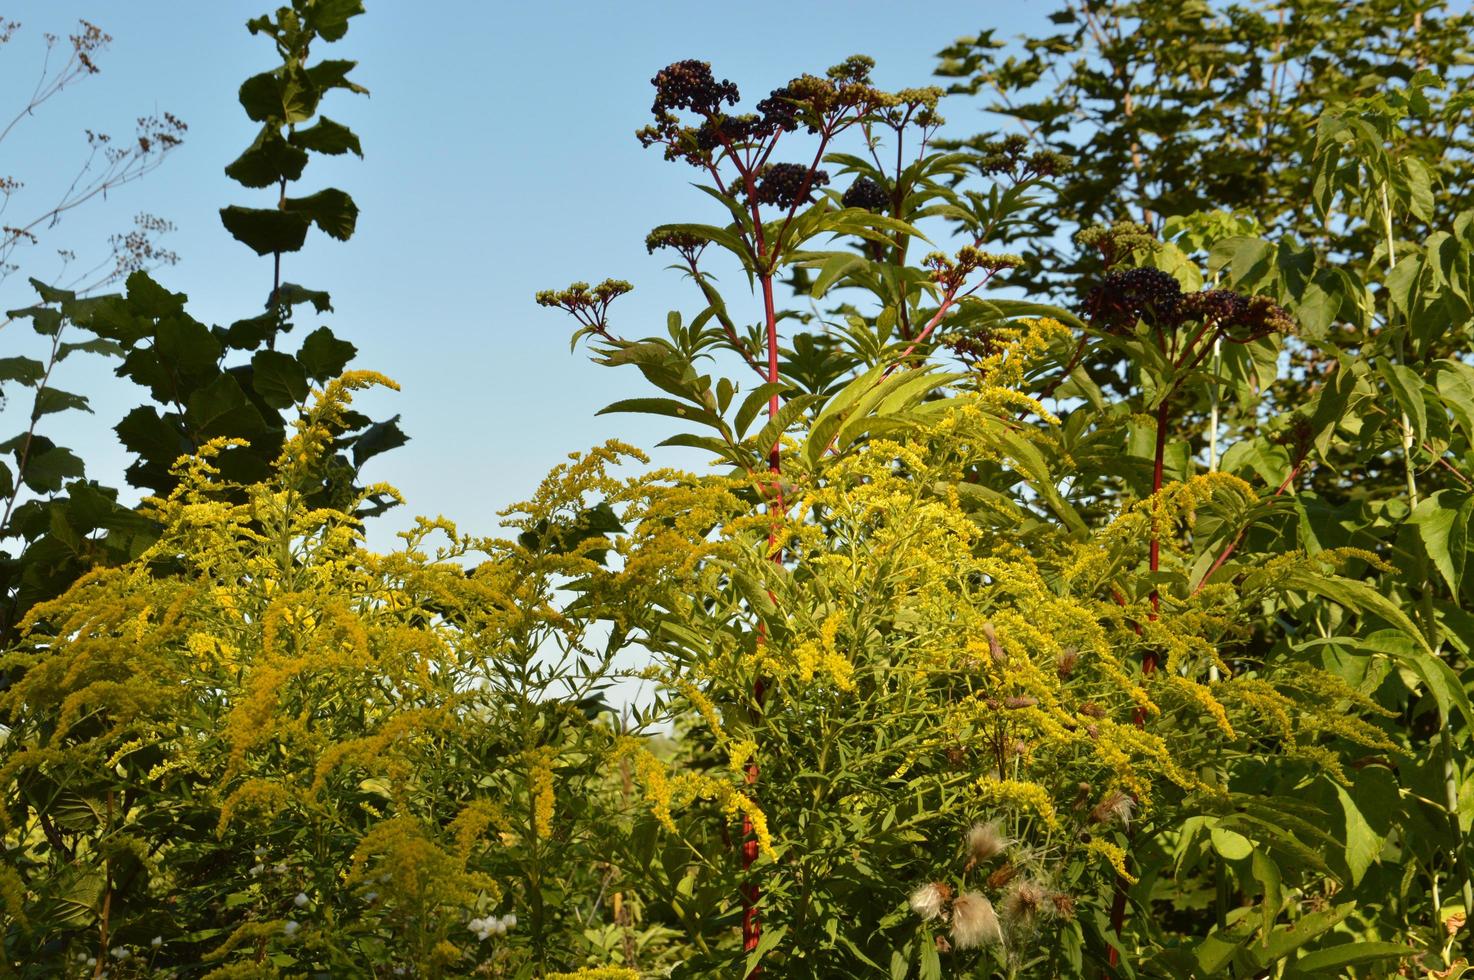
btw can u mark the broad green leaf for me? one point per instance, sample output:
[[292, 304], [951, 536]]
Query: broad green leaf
[[326, 136], [1407, 388], [27, 370], [1282, 942], [1358, 596], [1337, 958], [1363, 846], [332, 210], [325, 356], [278, 378], [755, 402], [268, 160], [378, 438], [266, 230], [1442, 523]]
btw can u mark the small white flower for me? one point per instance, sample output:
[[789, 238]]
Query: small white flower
[[400, 971], [280, 869], [259, 850], [156, 942], [91, 961], [119, 953], [290, 927], [257, 870], [370, 896], [499, 927], [301, 900], [510, 920]]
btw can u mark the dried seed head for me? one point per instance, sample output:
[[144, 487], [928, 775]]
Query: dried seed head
[[1064, 905], [930, 900], [1023, 904], [995, 648], [1064, 665], [1002, 876], [985, 841], [974, 922], [1020, 701], [1114, 807]]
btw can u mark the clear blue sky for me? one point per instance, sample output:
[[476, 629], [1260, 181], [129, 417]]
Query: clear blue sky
[[499, 159]]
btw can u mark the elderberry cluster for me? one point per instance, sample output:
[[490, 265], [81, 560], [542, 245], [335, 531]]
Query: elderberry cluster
[[787, 185], [808, 101], [690, 85], [1155, 298], [867, 194]]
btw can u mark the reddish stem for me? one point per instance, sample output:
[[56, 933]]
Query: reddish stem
[[1238, 538]]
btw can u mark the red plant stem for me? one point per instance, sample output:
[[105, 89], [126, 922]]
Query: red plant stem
[[752, 927], [1149, 658]]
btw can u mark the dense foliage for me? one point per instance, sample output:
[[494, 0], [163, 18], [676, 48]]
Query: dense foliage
[[1122, 634]]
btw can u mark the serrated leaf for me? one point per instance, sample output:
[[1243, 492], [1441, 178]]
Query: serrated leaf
[[268, 160], [266, 230], [325, 356], [27, 370], [332, 210], [327, 136], [278, 378]]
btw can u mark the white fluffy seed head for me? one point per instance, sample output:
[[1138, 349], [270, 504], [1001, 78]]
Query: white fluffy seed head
[[985, 841], [930, 900], [974, 923]]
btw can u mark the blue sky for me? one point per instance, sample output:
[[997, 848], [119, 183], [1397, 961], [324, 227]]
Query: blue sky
[[499, 159]]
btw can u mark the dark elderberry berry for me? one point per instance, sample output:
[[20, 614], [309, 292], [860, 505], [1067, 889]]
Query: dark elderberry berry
[[690, 85], [788, 184], [1129, 295], [865, 193]]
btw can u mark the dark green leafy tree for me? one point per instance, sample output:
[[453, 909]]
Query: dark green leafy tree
[[1174, 108], [203, 381]]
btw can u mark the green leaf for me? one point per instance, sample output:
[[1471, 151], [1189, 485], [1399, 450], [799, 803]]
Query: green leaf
[[1357, 596], [1337, 958], [1455, 383], [278, 378], [725, 237], [1282, 942], [48, 468], [27, 370], [282, 96], [1230, 844], [1407, 388], [755, 402], [52, 400], [334, 74], [222, 409], [326, 136], [332, 210], [833, 269], [378, 438], [291, 294], [329, 18], [1363, 846], [268, 160], [1442, 523], [154, 439], [266, 230], [662, 406], [1267, 873], [324, 356]]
